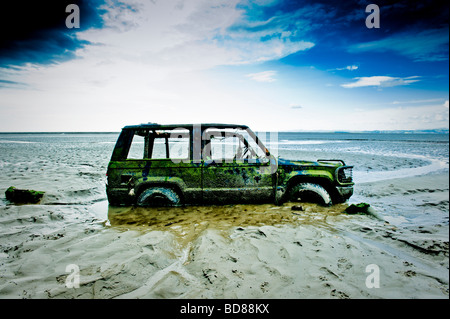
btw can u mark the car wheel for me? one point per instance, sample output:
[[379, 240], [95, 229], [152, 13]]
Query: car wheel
[[158, 196], [310, 192]]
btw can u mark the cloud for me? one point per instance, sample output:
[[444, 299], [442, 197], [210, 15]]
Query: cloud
[[446, 104], [295, 106], [381, 81], [426, 45], [192, 34], [272, 30], [266, 76], [348, 68], [12, 84], [417, 101], [352, 67], [274, 49]]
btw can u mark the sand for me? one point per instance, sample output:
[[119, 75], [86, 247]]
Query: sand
[[239, 251]]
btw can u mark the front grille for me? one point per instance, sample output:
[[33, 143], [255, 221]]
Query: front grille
[[345, 174]]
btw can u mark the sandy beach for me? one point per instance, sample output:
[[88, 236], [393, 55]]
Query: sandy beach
[[239, 251]]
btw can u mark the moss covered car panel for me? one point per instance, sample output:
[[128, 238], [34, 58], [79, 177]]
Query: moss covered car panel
[[213, 164]]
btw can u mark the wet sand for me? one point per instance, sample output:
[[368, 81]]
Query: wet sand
[[239, 251]]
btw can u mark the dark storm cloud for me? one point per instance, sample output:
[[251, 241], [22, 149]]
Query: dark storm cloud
[[36, 32]]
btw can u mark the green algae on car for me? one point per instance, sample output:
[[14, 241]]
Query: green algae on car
[[196, 164]]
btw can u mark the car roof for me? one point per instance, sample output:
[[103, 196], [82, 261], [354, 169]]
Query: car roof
[[188, 126]]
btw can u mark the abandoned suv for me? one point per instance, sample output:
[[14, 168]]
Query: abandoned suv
[[173, 165]]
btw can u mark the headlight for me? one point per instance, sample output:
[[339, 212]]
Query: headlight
[[345, 174]]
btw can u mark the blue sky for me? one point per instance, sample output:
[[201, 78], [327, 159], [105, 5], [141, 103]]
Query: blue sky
[[271, 64]]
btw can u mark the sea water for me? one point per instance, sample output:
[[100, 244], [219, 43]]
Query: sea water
[[375, 156], [71, 167]]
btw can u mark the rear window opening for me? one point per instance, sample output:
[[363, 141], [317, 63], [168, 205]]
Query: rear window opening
[[160, 144]]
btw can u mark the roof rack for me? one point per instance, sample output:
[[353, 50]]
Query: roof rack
[[175, 126]]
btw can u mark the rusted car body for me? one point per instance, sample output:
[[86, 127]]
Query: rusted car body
[[197, 164]]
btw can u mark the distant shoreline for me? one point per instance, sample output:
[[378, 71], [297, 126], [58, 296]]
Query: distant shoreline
[[62, 133], [435, 131]]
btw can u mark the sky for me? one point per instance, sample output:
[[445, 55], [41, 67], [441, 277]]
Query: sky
[[275, 65]]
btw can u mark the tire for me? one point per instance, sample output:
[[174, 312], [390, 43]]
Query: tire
[[158, 196], [310, 192]]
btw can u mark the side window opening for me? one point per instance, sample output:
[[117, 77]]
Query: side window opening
[[231, 145], [224, 148], [136, 148], [160, 144], [179, 145]]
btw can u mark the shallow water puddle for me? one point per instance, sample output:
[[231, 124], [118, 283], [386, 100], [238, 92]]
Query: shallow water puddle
[[187, 223]]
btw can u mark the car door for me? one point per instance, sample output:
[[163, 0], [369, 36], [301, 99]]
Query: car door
[[230, 174]]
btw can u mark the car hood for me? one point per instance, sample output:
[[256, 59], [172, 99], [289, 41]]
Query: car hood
[[290, 163]]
